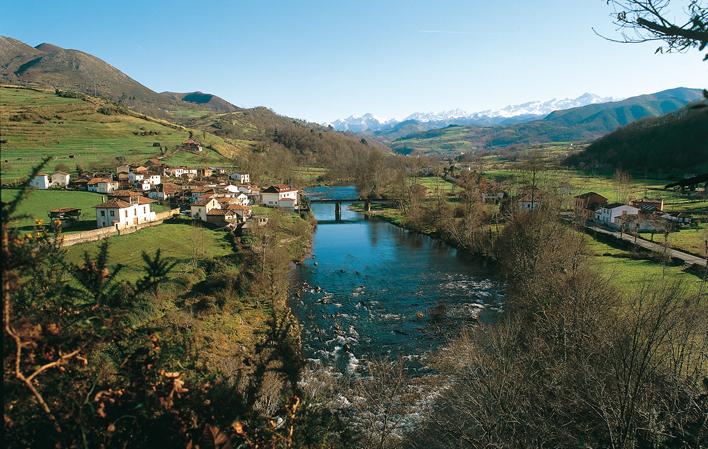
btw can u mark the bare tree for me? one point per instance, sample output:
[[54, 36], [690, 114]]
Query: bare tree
[[651, 20]]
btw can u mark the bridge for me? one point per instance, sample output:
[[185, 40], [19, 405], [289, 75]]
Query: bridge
[[338, 203]]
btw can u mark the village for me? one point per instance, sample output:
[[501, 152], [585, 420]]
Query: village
[[217, 197]]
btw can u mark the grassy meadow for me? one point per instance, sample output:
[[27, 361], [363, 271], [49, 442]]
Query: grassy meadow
[[72, 131], [628, 271], [178, 240], [37, 205]]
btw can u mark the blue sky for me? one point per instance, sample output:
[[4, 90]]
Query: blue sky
[[322, 60]]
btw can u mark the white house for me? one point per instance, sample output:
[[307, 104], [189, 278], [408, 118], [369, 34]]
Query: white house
[[243, 199], [41, 181], [121, 214], [611, 213], [241, 178], [102, 185], [178, 172], [144, 185], [232, 188], [201, 208], [154, 179], [275, 194], [60, 178]]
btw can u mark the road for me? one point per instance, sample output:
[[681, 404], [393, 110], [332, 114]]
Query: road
[[651, 246]]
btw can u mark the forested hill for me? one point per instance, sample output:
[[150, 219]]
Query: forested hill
[[676, 141]]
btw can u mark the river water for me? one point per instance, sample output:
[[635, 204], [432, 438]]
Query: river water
[[371, 289]]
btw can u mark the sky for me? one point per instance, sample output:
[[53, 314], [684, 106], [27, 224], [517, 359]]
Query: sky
[[329, 59]]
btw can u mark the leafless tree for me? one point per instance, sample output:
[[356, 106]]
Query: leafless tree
[[652, 20]]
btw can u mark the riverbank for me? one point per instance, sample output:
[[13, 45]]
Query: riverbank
[[623, 265]]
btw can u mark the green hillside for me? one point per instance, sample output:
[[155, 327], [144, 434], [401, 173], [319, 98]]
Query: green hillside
[[86, 131], [228, 129]]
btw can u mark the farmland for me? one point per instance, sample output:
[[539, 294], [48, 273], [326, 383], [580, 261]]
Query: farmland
[[89, 133]]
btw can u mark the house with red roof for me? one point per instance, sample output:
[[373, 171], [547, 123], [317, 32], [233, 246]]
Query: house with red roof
[[280, 195], [124, 211]]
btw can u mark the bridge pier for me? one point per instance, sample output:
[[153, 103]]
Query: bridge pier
[[338, 211]]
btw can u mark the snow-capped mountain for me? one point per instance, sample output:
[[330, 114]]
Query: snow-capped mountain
[[543, 107], [366, 122], [439, 116], [506, 115]]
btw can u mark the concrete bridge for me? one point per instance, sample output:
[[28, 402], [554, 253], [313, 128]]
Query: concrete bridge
[[338, 203]]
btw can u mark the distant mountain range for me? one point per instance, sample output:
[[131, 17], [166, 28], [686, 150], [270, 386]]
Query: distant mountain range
[[505, 116], [582, 123]]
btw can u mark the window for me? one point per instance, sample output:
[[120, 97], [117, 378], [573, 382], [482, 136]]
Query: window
[[103, 213], [126, 213], [113, 214], [145, 209]]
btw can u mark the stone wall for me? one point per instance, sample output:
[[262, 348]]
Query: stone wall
[[103, 233]]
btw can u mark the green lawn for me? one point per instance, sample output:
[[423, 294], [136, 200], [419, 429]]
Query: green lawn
[[178, 240], [628, 274], [39, 202], [688, 239]]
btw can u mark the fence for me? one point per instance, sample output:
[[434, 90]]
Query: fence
[[103, 233]]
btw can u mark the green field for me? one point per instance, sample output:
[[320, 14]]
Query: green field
[[73, 132], [577, 182], [436, 184], [39, 202], [178, 240], [692, 240], [629, 274], [309, 175]]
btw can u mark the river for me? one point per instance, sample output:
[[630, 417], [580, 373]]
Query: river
[[372, 289]]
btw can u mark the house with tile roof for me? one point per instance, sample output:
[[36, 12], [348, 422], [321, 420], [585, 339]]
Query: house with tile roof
[[280, 195], [200, 208], [123, 213]]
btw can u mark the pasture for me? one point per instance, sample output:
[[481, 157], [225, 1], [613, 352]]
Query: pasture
[[178, 240]]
